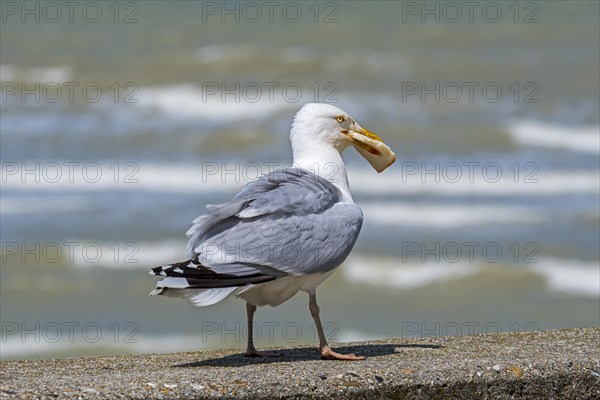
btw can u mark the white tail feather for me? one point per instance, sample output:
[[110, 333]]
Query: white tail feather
[[198, 297]]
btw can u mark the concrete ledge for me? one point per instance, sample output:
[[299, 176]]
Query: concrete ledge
[[556, 364]]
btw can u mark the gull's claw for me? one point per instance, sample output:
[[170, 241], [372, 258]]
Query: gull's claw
[[256, 353], [328, 354]]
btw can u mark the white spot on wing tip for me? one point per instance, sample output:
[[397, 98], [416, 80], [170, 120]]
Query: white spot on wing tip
[[172, 282]]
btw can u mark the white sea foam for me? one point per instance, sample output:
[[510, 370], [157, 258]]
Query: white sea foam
[[125, 254], [353, 335], [7, 73], [445, 216], [584, 139], [188, 100], [338, 61], [75, 192], [55, 74], [399, 181], [570, 276], [212, 177], [392, 214], [91, 177], [298, 54], [392, 272], [216, 53], [576, 277]]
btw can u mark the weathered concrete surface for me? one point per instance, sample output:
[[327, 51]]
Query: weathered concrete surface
[[556, 364]]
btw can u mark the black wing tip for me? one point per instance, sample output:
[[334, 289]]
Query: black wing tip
[[160, 271], [170, 269], [199, 276]]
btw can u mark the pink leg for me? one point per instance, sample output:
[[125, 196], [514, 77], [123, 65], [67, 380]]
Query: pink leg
[[251, 350], [324, 349]]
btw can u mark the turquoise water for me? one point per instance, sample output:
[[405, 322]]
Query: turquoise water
[[115, 135]]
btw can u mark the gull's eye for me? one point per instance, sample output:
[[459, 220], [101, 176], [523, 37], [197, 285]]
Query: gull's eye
[[340, 119]]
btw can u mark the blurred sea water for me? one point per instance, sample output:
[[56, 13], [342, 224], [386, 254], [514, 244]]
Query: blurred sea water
[[489, 221]]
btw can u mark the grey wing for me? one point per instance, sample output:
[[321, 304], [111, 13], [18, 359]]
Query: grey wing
[[296, 245], [286, 222], [292, 191]]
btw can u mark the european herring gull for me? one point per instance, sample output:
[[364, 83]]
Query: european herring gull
[[286, 231]]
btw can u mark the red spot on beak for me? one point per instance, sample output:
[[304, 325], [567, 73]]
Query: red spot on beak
[[374, 151]]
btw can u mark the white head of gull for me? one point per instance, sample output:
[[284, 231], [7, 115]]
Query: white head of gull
[[319, 135], [286, 231]]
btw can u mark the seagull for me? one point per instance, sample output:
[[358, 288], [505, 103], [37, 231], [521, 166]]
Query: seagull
[[285, 232]]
